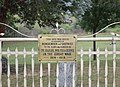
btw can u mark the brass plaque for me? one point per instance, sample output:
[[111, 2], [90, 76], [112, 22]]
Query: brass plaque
[[57, 47]]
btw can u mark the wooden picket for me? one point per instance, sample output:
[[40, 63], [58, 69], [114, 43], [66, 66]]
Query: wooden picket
[[8, 74], [25, 70]]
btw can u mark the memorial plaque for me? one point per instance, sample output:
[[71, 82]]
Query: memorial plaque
[[57, 47]]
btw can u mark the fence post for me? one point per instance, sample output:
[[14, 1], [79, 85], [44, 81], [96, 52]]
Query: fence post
[[0, 64], [66, 74]]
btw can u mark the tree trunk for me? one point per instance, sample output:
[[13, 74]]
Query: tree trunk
[[94, 44], [69, 73]]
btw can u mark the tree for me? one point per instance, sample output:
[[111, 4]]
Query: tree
[[100, 14], [45, 12]]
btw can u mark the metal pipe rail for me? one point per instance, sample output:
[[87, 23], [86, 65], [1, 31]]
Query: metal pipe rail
[[78, 39]]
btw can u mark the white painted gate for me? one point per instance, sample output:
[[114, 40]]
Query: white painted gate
[[84, 75]]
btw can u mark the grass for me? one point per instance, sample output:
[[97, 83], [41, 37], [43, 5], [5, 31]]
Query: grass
[[85, 45], [20, 46]]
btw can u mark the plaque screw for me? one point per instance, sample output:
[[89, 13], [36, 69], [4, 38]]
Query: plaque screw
[[74, 37], [40, 36]]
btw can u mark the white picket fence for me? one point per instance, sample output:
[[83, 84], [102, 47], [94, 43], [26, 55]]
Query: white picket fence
[[81, 53]]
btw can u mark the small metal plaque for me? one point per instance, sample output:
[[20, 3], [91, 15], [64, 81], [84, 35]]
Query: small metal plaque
[[57, 47]]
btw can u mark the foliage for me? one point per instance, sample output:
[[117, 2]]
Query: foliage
[[115, 29], [45, 12], [100, 14]]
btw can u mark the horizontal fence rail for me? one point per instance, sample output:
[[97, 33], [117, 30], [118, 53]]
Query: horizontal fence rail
[[78, 39], [85, 71]]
